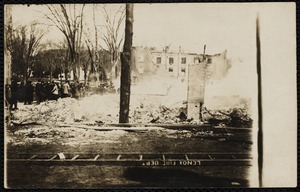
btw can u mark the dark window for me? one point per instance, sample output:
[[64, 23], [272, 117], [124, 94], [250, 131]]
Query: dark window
[[183, 69], [209, 60], [170, 69], [158, 60], [171, 60], [183, 60]]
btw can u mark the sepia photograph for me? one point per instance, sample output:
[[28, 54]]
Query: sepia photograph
[[156, 95]]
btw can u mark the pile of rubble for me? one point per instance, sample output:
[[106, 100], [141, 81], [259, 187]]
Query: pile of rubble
[[158, 114], [68, 110], [234, 117], [104, 109]]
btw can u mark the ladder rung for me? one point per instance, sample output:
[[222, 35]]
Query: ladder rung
[[119, 157], [75, 157], [95, 158], [53, 157], [34, 156], [186, 157]]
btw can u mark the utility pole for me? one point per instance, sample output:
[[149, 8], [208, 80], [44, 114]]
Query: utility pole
[[125, 69]]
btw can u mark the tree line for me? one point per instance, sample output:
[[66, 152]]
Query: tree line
[[96, 49]]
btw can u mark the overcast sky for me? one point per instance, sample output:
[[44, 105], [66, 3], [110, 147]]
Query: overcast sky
[[190, 25]]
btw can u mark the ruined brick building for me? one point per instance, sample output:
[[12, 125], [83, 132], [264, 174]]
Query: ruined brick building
[[147, 61], [176, 72]]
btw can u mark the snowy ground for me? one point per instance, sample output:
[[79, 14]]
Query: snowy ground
[[104, 109], [96, 108]]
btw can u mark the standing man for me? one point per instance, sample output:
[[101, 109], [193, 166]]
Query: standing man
[[66, 89], [8, 95], [55, 91], [29, 89], [14, 95], [38, 91]]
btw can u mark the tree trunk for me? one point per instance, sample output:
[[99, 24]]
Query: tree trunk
[[113, 72], [125, 69], [85, 76], [75, 77], [116, 71], [50, 72], [92, 66], [66, 76], [25, 75]]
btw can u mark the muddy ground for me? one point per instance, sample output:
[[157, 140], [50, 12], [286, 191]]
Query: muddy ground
[[39, 139], [89, 126]]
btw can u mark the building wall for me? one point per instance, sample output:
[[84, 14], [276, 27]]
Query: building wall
[[196, 90], [174, 64], [217, 66], [188, 73], [7, 55], [147, 61], [141, 64]]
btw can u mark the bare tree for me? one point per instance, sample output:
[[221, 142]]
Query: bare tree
[[111, 41], [65, 65], [85, 61], [68, 18], [92, 44], [52, 57], [24, 44], [99, 60], [111, 36], [95, 48]]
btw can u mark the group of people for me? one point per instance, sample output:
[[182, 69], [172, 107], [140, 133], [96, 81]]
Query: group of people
[[51, 91], [21, 93], [41, 91]]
